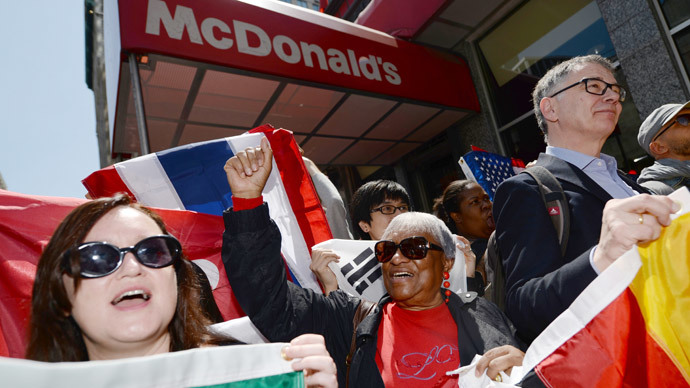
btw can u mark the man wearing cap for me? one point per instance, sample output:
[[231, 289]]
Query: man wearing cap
[[577, 104], [665, 135]]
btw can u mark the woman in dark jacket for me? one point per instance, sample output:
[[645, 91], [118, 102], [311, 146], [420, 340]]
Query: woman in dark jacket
[[415, 334]]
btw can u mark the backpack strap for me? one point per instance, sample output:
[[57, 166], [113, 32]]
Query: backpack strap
[[363, 310], [495, 278], [555, 202]]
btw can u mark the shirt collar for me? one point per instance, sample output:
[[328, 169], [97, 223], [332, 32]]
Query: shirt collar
[[579, 159]]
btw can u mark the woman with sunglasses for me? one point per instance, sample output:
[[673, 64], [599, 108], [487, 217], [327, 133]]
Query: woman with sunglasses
[[112, 283], [414, 335]]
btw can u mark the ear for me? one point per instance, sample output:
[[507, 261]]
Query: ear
[[548, 108], [455, 216], [364, 226], [658, 149], [448, 263]]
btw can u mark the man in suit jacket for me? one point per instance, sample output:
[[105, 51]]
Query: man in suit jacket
[[577, 104]]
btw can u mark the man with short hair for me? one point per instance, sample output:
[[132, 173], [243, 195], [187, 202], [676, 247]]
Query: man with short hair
[[665, 135], [577, 104], [374, 205]]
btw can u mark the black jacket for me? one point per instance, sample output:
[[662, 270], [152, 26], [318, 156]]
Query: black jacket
[[540, 282], [282, 310]]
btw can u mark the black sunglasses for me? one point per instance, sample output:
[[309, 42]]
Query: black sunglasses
[[683, 120], [597, 87], [98, 259], [414, 248]]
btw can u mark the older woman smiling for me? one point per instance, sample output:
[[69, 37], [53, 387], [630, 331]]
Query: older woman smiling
[[415, 334]]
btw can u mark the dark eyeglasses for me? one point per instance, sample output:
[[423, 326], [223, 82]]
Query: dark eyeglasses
[[98, 259], [390, 209], [414, 248], [683, 120], [597, 87]]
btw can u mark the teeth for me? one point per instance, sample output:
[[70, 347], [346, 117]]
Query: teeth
[[402, 275], [131, 294]]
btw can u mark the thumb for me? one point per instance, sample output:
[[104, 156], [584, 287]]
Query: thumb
[[267, 151]]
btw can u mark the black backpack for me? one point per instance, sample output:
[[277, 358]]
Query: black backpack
[[556, 204]]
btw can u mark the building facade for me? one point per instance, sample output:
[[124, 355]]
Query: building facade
[[509, 45]]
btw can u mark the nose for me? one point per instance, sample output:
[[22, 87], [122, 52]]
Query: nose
[[130, 266], [611, 96], [398, 257]]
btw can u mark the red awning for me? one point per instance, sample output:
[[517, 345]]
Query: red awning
[[214, 68]]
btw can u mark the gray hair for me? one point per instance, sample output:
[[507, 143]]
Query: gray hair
[[555, 76], [417, 223]]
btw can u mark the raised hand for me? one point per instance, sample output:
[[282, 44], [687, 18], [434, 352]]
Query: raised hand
[[249, 170]]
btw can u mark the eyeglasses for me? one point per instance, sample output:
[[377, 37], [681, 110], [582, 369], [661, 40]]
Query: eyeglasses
[[390, 209], [414, 248], [597, 87], [98, 259], [683, 120]]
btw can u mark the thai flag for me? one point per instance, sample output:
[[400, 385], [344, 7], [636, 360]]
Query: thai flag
[[191, 177]]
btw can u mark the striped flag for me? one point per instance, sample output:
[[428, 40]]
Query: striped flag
[[218, 366], [191, 177], [629, 327], [26, 224]]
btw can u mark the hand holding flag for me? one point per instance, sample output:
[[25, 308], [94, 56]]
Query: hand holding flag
[[631, 221], [320, 259]]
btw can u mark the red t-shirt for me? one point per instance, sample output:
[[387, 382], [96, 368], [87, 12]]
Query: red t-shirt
[[417, 348]]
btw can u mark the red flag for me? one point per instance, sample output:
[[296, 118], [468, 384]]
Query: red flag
[[28, 221]]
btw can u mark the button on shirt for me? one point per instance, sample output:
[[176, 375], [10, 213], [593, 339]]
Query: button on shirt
[[602, 170]]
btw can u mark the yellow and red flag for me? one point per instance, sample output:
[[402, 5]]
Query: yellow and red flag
[[631, 326]]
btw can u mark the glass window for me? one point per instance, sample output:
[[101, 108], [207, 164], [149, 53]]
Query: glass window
[[675, 11], [677, 16], [302, 3], [540, 34], [682, 40]]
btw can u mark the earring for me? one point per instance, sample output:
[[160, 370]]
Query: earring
[[446, 285]]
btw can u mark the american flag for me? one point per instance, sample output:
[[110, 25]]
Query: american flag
[[487, 169]]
